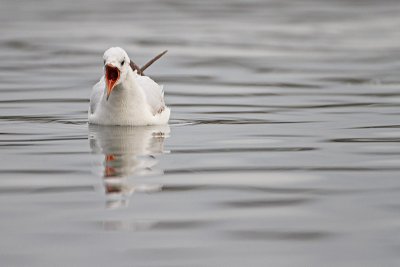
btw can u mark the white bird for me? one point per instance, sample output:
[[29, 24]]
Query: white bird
[[124, 97]]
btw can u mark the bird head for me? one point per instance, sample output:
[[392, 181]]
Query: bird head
[[116, 67]]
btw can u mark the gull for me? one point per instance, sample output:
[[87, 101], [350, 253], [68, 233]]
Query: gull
[[125, 96]]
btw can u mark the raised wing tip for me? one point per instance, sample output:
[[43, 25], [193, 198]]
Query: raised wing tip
[[140, 70], [148, 64]]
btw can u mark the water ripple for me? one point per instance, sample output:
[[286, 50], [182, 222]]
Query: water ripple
[[287, 235]]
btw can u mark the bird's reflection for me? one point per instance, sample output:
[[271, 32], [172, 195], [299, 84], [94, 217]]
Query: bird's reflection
[[126, 152]]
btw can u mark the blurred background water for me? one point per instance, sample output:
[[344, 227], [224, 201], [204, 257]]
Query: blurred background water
[[282, 150]]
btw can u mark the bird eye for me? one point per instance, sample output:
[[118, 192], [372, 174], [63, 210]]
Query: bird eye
[[122, 63], [104, 62]]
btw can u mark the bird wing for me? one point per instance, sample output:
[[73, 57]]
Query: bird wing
[[154, 93], [95, 97]]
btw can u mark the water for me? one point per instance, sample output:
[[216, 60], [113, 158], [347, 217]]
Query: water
[[282, 150]]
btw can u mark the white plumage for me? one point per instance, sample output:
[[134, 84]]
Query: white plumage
[[123, 97]]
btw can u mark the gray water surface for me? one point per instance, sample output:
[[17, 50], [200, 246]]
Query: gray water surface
[[282, 149]]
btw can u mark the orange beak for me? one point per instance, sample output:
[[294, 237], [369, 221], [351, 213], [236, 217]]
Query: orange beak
[[112, 76]]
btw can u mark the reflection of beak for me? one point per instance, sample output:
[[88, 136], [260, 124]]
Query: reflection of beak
[[109, 171], [112, 76]]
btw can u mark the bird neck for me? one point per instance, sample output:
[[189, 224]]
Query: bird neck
[[130, 79]]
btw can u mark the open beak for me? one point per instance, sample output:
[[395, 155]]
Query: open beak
[[112, 76]]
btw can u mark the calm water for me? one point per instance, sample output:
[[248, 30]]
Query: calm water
[[283, 147]]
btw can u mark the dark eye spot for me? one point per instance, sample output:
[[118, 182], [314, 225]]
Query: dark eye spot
[[104, 62], [122, 63]]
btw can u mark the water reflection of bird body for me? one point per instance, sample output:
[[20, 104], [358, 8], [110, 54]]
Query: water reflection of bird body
[[126, 151]]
